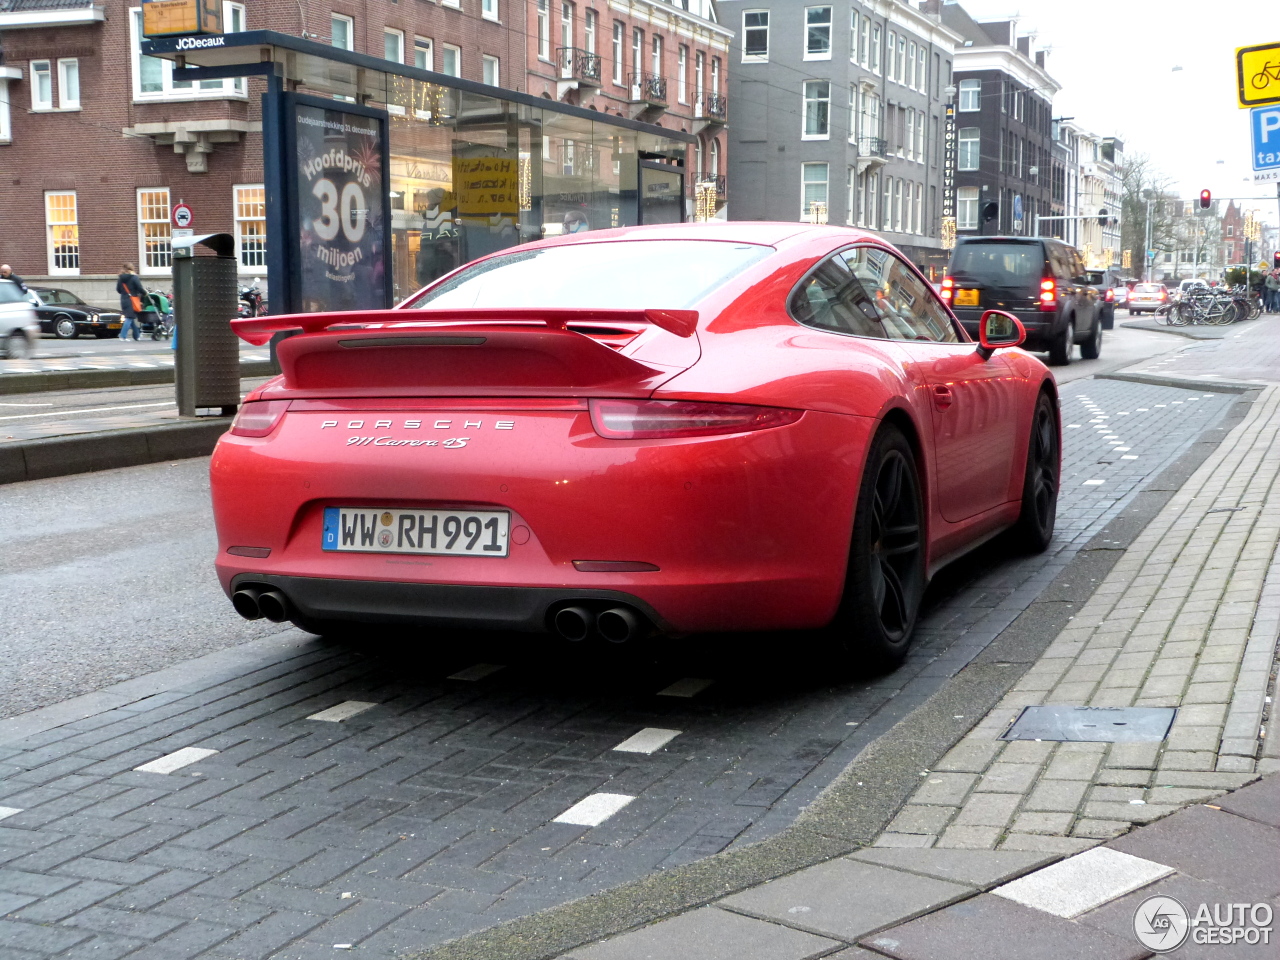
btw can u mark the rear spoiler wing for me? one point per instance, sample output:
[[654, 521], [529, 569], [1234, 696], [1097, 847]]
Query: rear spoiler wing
[[260, 330]]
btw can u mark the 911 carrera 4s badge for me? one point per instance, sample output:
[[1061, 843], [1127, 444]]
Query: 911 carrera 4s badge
[[468, 533]]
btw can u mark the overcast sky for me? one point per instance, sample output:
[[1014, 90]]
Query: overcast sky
[[1115, 60]]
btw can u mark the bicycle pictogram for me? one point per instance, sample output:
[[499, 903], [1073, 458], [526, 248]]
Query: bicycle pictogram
[[1262, 79]]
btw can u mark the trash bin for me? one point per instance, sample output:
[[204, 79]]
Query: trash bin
[[205, 298]]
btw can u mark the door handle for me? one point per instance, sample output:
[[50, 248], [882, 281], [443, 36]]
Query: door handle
[[942, 397]]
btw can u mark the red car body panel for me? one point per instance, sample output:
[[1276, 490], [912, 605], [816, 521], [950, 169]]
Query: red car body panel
[[746, 530]]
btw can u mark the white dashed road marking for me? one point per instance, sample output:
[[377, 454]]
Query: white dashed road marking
[[176, 760], [595, 809], [647, 740], [477, 671], [8, 812], [685, 687], [1092, 483], [343, 711], [1070, 887]]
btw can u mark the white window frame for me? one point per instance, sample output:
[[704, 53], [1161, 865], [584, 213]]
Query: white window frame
[[166, 231], [424, 45], [807, 97], [755, 57], [902, 59], [682, 74], [351, 31], [864, 41], [699, 77], [41, 68], [544, 30], [890, 75], [589, 19], [886, 204], [393, 42], [655, 60], [715, 76], [237, 220], [489, 10], [6, 124], [969, 96], [967, 208], [66, 66], [961, 140], [918, 221], [805, 183], [922, 68], [715, 157], [897, 206], [619, 51], [490, 66], [445, 50], [911, 64], [850, 201], [824, 54], [909, 136], [62, 271], [231, 89], [876, 49]]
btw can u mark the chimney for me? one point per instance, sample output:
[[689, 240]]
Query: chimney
[[1024, 46], [1040, 59], [931, 8]]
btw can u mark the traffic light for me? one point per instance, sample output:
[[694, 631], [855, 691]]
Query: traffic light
[[1102, 217], [990, 210], [1206, 198], [1276, 259]]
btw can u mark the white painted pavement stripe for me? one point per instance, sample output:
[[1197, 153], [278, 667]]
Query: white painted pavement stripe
[[647, 740], [8, 812], [1070, 887], [176, 760], [595, 809], [343, 711], [685, 687], [477, 671], [67, 413]]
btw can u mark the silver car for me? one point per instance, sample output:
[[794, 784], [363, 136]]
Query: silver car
[[18, 325]]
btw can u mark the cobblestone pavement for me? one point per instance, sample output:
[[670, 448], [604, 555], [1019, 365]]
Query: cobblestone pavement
[[1248, 351], [442, 802]]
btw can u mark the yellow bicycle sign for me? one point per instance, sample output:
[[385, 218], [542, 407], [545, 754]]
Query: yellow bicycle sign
[[1258, 74]]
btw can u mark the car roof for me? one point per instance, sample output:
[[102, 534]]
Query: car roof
[[768, 233]]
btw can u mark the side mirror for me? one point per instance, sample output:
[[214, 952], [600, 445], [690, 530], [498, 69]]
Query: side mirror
[[999, 329]]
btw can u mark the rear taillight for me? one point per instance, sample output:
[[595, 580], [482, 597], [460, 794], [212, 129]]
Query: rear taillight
[[1111, 295], [1161, 294], [948, 287], [671, 419], [257, 418], [1048, 294]]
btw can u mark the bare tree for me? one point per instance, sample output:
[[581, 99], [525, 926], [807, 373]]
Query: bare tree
[[1145, 190]]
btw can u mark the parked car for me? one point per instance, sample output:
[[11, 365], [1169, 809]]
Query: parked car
[[1186, 285], [1040, 281], [1147, 298], [1104, 284], [800, 430], [65, 316], [18, 325]]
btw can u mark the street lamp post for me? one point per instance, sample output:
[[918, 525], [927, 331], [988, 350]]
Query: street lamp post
[[1149, 196]]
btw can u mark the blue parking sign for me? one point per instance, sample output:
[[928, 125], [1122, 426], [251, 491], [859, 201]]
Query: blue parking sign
[[1265, 122]]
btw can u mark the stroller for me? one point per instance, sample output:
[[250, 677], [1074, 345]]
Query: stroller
[[158, 320]]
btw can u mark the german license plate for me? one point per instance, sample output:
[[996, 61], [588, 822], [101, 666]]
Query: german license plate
[[463, 533], [966, 298]]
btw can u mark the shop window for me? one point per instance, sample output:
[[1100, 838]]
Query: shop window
[[63, 231], [155, 250], [251, 226]]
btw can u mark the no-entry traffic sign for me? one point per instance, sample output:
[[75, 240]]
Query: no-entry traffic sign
[[181, 215]]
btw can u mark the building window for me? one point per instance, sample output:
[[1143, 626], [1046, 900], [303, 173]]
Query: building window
[[6, 129], [153, 77], [902, 60], [890, 67], [715, 75], [817, 110], [566, 37], [920, 140], [715, 158], [682, 74], [657, 56], [967, 208], [544, 30], [910, 79], [817, 22], [813, 191], [490, 66], [41, 85], [251, 225], [69, 84], [875, 48], [886, 205], [919, 218], [63, 231], [617, 52], [922, 65], [489, 9], [970, 96], [910, 136], [422, 58], [342, 31], [968, 153], [393, 45], [699, 72], [864, 40], [589, 31], [155, 254], [699, 168], [755, 35], [450, 60]]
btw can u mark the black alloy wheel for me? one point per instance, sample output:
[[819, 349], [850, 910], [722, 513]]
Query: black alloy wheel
[[64, 328], [886, 577], [1060, 349], [1091, 349], [1034, 529]]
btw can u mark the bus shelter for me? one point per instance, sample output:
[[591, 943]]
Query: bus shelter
[[381, 177]]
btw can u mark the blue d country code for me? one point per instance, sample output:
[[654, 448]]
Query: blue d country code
[[469, 532]]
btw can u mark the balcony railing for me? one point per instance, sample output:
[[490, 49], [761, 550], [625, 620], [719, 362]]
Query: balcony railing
[[580, 65], [873, 147], [713, 106], [717, 180], [646, 88]]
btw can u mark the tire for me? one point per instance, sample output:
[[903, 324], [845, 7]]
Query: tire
[[885, 578], [64, 328], [1034, 530], [1109, 319], [1060, 349], [17, 346], [1091, 349]]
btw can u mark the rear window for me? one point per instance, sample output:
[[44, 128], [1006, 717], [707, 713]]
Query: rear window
[[625, 274], [1148, 288], [1014, 265]]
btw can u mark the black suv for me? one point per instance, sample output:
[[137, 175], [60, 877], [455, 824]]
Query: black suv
[[1040, 281]]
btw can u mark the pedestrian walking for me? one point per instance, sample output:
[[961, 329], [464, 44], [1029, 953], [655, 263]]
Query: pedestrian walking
[[6, 273], [132, 299], [1272, 291]]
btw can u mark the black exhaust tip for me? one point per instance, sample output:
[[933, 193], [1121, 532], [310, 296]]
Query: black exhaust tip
[[273, 605], [245, 600], [618, 624], [573, 623]]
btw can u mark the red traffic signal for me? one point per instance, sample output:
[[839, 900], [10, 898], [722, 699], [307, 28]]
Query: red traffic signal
[[1206, 198], [1276, 258]]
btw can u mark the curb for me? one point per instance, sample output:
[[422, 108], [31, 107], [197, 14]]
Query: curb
[[849, 815], [1189, 333], [108, 449], [1184, 383], [11, 383]]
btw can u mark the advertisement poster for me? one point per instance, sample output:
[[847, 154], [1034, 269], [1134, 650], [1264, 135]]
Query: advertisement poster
[[486, 187], [340, 190]]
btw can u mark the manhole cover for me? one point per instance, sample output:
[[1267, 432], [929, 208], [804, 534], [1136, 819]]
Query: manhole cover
[[1096, 724]]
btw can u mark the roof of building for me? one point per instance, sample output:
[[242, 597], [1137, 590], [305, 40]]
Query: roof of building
[[35, 6]]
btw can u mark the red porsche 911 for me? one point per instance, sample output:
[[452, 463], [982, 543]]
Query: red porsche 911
[[671, 429]]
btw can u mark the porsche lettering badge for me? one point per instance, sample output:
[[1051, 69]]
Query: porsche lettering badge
[[418, 424]]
